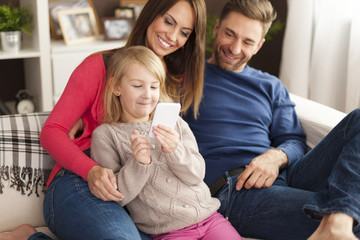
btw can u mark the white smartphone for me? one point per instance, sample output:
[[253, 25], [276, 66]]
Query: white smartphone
[[165, 114]]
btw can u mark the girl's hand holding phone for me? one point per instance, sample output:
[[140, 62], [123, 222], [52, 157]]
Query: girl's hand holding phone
[[167, 137], [140, 147]]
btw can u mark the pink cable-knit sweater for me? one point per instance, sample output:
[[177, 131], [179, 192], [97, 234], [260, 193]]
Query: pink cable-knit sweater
[[166, 195]]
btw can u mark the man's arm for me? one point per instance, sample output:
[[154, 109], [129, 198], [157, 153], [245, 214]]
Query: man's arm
[[287, 140]]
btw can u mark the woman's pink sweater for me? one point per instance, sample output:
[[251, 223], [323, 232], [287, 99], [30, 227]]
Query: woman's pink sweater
[[82, 97]]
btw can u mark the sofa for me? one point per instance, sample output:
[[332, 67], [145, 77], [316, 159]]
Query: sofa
[[25, 166]]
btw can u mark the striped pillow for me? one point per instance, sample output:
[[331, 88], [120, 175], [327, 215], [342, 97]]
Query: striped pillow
[[24, 164]]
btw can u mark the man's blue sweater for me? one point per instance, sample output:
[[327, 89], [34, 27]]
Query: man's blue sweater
[[240, 117]]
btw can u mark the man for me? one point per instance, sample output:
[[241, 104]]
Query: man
[[249, 134]]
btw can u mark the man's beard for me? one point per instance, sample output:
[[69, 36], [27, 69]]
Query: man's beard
[[227, 67]]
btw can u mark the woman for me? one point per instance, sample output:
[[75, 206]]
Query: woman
[[79, 202]]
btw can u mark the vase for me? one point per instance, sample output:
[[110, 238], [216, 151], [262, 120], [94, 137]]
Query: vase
[[11, 41]]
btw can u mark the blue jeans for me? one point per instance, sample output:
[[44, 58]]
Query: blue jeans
[[72, 212], [325, 180]]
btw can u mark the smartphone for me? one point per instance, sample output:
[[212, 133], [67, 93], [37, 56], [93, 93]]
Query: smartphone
[[165, 114]]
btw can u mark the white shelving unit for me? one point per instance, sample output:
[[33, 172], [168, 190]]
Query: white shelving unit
[[66, 58], [49, 64], [36, 55]]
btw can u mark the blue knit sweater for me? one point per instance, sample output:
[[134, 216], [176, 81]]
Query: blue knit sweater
[[241, 116]]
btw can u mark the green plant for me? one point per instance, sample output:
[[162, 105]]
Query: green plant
[[15, 19], [275, 28]]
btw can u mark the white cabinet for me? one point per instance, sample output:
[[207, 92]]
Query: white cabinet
[[36, 54], [66, 58]]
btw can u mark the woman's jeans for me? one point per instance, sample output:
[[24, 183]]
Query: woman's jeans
[[325, 180], [72, 212]]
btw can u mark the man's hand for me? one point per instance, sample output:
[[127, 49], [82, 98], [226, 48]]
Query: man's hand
[[263, 170], [102, 184], [77, 129]]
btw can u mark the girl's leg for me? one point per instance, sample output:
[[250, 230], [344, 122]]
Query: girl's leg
[[72, 212], [219, 228]]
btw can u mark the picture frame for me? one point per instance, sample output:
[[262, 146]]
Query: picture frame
[[129, 2], [124, 12], [116, 28], [136, 4], [57, 5], [78, 25]]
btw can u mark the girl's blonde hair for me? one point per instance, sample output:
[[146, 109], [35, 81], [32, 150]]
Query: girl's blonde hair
[[118, 64]]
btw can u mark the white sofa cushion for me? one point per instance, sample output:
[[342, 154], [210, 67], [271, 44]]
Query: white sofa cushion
[[316, 119], [24, 168]]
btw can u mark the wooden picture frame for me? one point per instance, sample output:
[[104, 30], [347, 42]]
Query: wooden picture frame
[[116, 28], [78, 25], [136, 4], [124, 12], [56, 5], [130, 2]]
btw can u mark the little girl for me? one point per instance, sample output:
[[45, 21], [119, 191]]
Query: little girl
[[161, 180]]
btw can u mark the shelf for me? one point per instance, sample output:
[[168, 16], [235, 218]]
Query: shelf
[[24, 53], [59, 46]]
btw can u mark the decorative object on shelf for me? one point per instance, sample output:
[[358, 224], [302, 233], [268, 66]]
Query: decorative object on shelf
[[57, 5], [78, 25], [136, 4], [13, 21], [24, 102], [4, 110], [117, 28], [124, 12]]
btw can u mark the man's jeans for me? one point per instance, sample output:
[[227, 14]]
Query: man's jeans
[[325, 180], [72, 212]]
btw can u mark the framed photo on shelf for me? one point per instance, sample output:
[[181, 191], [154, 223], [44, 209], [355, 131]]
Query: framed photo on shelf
[[78, 25], [136, 4], [117, 28], [129, 2], [58, 5], [124, 12]]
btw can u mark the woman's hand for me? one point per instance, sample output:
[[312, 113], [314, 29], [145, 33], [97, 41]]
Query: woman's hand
[[140, 147], [167, 137], [77, 129], [102, 184]]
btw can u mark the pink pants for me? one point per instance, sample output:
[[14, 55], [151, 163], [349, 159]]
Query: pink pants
[[214, 227]]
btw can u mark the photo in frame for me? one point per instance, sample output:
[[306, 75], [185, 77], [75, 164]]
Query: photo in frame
[[117, 28], [124, 12], [78, 25], [58, 5], [136, 4]]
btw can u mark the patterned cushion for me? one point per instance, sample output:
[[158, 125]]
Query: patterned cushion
[[24, 164]]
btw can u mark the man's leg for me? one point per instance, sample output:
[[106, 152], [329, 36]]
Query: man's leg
[[268, 213], [332, 169]]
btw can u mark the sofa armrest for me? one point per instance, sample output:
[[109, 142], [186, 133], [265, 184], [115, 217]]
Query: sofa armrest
[[316, 119], [24, 168]]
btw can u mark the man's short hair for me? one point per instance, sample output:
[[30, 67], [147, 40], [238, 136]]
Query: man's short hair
[[261, 10]]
